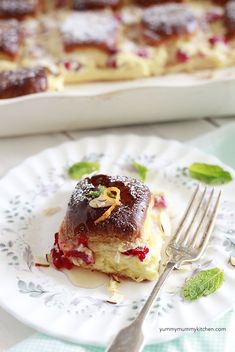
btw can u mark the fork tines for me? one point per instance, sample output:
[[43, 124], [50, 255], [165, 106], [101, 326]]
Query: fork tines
[[198, 220]]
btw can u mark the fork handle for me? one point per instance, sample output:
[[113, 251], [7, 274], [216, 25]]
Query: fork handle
[[131, 338]]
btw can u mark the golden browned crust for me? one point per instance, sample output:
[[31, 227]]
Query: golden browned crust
[[169, 21], [230, 17], [146, 3], [94, 4], [22, 81], [125, 222], [10, 38], [18, 8], [99, 30]]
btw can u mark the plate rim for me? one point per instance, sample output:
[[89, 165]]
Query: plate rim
[[98, 344], [110, 135]]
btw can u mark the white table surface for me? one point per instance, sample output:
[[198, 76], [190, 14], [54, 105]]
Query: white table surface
[[14, 150]]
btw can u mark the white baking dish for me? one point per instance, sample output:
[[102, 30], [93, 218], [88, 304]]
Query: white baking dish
[[180, 96]]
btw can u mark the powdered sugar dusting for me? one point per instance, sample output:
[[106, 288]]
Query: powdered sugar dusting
[[170, 19], [136, 188], [124, 222], [81, 191], [88, 28], [9, 36]]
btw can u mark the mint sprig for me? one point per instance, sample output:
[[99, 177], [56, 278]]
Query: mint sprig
[[82, 168], [141, 169], [203, 283], [209, 174], [96, 193]]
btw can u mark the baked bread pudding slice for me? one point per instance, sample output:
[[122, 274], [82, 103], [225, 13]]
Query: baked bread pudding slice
[[112, 226], [24, 81], [95, 48], [19, 9]]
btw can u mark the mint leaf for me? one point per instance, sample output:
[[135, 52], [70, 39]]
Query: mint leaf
[[203, 283], [141, 169], [97, 193], [82, 168], [94, 194], [209, 174]]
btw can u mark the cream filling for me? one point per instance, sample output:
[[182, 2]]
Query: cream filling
[[55, 83], [6, 65], [109, 257], [126, 65]]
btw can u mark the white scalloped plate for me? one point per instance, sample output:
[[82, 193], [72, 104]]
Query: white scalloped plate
[[199, 95], [44, 299]]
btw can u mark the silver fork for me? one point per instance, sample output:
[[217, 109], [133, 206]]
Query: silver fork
[[186, 245]]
